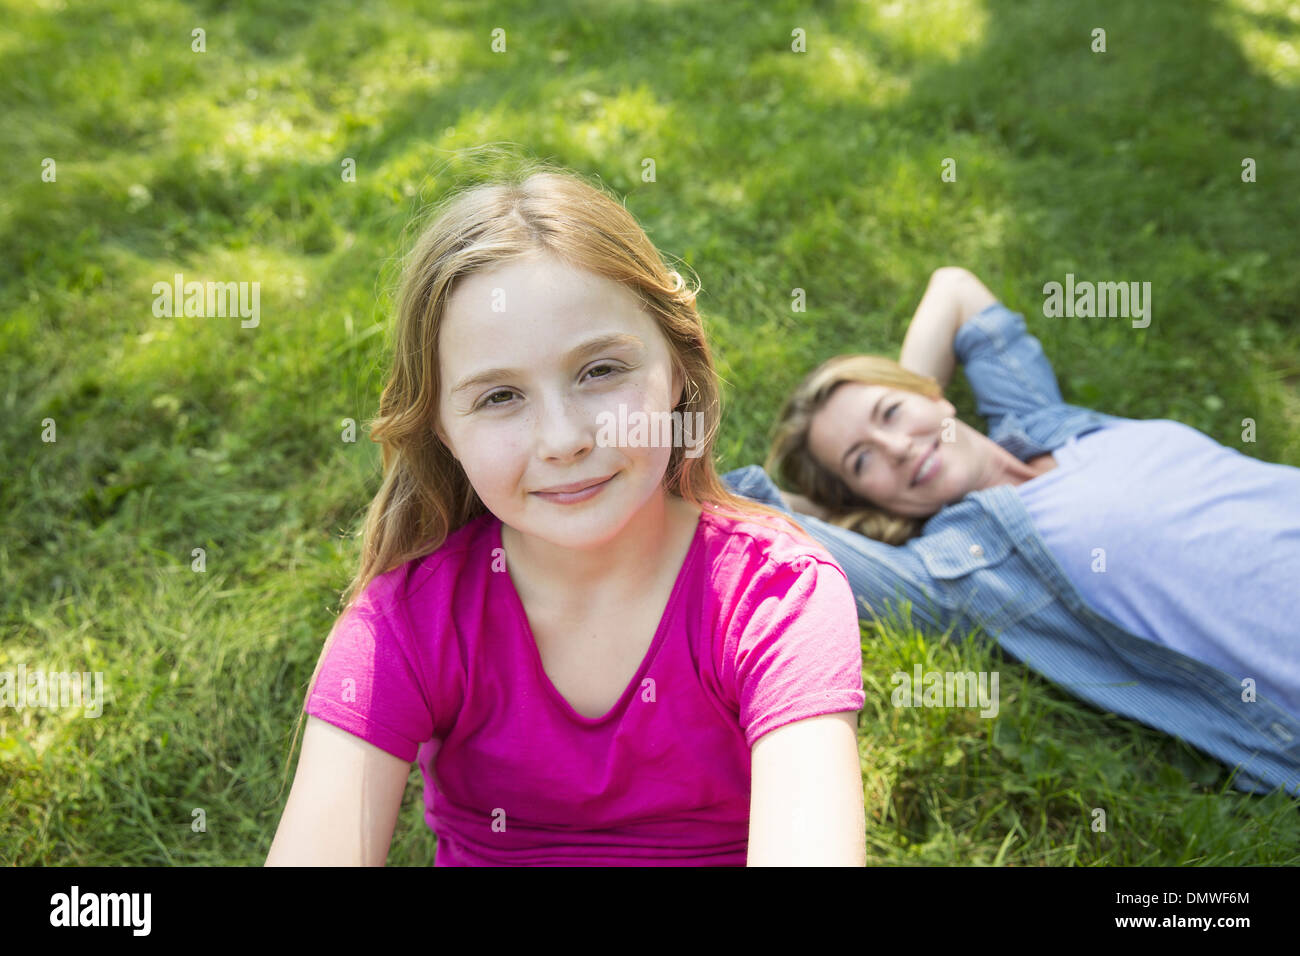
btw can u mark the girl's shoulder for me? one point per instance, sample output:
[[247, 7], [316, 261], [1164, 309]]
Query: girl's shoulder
[[449, 570], [744, 545]]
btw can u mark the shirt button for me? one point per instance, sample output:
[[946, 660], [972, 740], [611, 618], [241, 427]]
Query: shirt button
[[976, 550]]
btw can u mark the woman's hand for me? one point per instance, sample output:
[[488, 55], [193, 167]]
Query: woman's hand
[[953, 296]]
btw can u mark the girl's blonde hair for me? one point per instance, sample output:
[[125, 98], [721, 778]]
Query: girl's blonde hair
[[425, 494], [791, 460]]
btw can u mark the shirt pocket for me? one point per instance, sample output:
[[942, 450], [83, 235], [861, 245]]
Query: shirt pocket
[[954, 554], [980, 579]]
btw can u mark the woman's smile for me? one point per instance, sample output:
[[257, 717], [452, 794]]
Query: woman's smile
[[929, 466]]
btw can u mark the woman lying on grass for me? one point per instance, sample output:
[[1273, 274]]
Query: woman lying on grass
[[1140, 564], [597, 653]]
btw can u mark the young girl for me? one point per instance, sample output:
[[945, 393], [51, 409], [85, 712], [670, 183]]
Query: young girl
[[597, 654], [1139, 564]]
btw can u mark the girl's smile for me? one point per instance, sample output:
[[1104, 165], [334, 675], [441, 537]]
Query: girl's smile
[[578, 491]]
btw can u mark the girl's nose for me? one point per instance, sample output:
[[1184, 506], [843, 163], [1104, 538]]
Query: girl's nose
[[562, 430]]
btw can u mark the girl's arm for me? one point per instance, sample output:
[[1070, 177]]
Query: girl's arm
[[953, 296], [806, 804], [344, 803]]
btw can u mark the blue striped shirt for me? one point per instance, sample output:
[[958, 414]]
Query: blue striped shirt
[[981, 563]]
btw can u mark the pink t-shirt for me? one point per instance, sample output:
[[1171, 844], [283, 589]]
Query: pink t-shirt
[[436, 659]]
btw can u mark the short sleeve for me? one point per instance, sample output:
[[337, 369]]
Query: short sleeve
[[368, 686], [797, 646], [1007, 369]]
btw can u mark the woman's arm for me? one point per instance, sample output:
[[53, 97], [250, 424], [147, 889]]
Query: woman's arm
[[953, 296]]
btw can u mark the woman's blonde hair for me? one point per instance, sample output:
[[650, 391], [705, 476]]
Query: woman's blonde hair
[[791, 460], [425, 494]]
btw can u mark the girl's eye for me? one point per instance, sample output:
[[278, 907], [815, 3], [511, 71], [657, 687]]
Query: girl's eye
[[612, 368], [891, 410], [487, 401]]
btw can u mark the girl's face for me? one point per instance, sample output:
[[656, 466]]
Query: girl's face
[[888, 446], [530, 354]]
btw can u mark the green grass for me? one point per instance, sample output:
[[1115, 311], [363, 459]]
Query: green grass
[[774, 171]]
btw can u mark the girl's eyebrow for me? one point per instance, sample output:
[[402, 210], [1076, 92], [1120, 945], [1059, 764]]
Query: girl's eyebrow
[[600, 343]]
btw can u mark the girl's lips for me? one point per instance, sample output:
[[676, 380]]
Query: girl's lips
[[575, 487], [572, 497]]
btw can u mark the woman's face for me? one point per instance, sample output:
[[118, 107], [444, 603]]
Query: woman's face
[[897, 449], [530, 354]]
